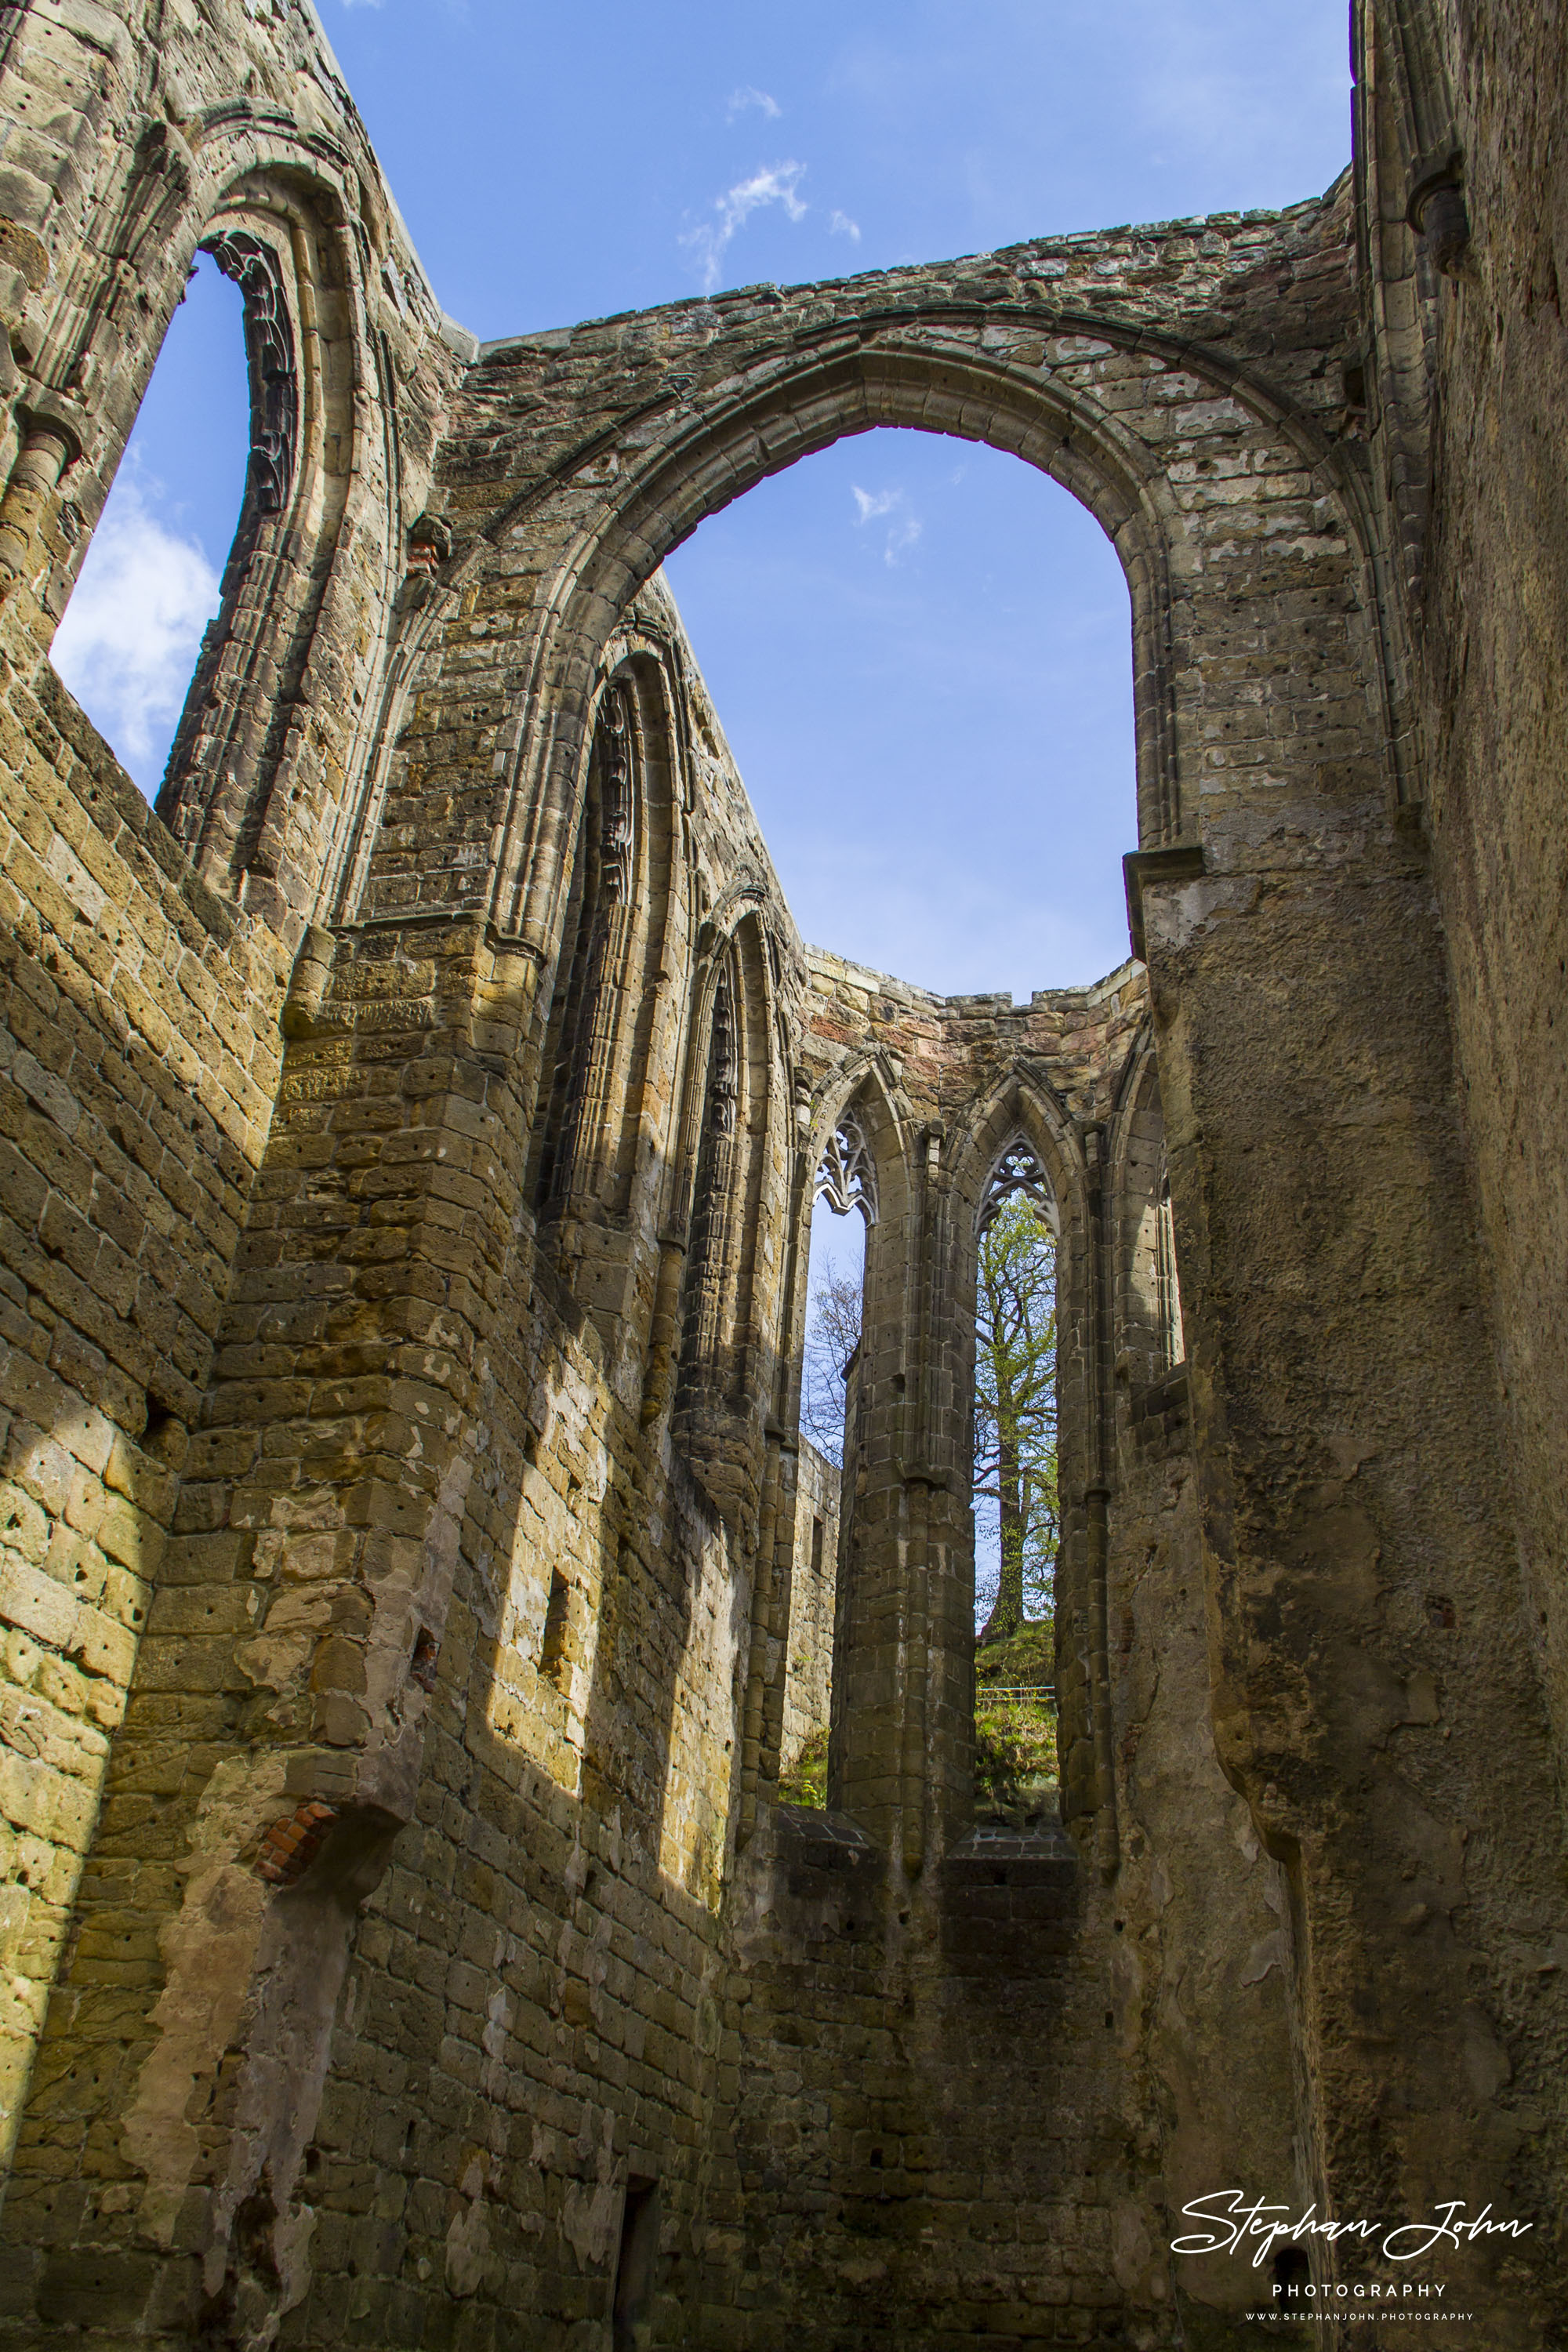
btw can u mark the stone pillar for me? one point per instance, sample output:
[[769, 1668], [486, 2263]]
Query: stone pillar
[[47, 448], [902, 1714]]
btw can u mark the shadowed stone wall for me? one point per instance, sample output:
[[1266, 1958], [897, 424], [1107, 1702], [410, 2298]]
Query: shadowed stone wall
[[411, 1133], [809, 1668]]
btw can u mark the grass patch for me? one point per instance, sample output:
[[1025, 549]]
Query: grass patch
[[805, 1782], [1015, 1739], [1015, 1752], [1026, 1658]]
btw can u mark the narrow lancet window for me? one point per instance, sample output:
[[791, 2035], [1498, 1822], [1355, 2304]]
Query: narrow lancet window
[[844, 1196], [581, 1042], [1017, 1508]]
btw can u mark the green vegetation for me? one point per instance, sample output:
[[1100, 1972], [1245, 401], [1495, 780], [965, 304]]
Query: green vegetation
[[1015, 1739], [1015, 1755], [1016, 1406], [1025, 1659], [805, 1782]]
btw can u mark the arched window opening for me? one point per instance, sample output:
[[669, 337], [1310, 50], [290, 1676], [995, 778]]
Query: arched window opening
[[927, 599], [156, 570], [1017, 1504], [273, 382], [843, 1208], [580, 1036]]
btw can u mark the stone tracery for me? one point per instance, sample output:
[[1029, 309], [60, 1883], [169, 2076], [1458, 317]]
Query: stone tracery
[[252, 264], [1017, 1175], [847, 1173]]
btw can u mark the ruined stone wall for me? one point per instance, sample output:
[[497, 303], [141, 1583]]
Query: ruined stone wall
[[131, 1134], [1033, 2040], [432, 1570], [808, 1676], [142, 1051], [417, 1125], [1486, 615]]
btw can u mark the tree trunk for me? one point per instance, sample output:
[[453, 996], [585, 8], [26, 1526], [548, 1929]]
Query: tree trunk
[[1008, 1612]]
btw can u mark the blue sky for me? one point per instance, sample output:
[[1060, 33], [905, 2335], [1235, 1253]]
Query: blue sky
[[919, 650]]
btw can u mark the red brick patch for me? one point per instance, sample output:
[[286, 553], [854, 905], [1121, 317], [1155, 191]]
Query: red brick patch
[[290, 1845]]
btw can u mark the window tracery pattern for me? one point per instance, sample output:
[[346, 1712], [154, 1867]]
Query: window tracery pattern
[[1018, 1172], [253, 266], [847, 1176]]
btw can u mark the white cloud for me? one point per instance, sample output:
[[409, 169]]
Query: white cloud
[[128, 643], [840, 224], [740, 100], [894, 507], [777, 184]]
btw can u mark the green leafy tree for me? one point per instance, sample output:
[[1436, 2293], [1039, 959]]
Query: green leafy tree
[[1016, 1408]]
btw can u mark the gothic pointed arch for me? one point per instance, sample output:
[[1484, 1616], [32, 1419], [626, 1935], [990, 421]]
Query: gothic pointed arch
[[261, 785], [1019, 1127], [731, 1225], [1020, 1112]]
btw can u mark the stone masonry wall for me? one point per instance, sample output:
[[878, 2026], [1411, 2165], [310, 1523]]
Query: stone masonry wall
[[813, 1589], [1488, 619], [142, 1054]]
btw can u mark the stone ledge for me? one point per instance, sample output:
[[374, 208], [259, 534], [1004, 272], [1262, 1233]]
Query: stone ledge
[[1181, 861]]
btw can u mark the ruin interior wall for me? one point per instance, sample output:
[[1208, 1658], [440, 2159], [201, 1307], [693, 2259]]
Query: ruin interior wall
[[415, 1124], [1491, 672], [808, 1669], [142, 1046]]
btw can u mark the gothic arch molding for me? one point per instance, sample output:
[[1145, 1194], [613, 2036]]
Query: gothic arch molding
[[262, 774], [862, 1082], [943, 388], [1020, 1104], [918, 373]]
